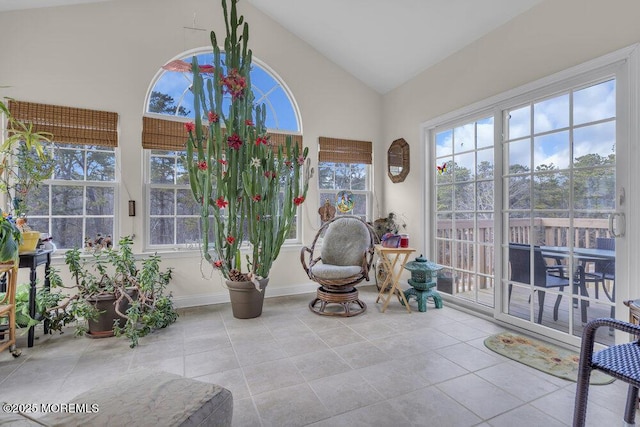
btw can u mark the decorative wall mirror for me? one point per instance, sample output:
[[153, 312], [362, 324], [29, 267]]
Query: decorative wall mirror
[[398, 160]]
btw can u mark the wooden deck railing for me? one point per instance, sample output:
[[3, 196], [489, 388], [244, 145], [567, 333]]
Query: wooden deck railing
[[459, 247]]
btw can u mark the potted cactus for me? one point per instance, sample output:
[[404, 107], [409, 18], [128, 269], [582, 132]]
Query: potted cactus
[[248, 188]]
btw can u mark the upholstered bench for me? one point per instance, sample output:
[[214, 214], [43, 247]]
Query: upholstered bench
[[141, 398]]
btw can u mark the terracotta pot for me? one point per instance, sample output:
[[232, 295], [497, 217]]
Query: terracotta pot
[[246, 301]]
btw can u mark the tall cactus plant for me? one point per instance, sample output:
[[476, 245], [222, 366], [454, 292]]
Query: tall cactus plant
[[248, 188]]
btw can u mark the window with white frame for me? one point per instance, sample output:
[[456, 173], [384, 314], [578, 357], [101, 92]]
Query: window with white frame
[[173, 216], [344, 176], [173, 212], [79, 201]]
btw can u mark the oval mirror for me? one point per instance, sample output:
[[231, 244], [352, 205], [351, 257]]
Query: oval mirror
[[398, 160]]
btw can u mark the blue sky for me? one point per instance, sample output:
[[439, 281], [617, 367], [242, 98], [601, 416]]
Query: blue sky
[[551, 142], [267, 90]]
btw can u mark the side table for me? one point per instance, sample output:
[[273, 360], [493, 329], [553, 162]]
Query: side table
[[31, 261], [394, 260], [634, 311]]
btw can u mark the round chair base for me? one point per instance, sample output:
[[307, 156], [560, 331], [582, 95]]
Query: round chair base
[[347, 299]]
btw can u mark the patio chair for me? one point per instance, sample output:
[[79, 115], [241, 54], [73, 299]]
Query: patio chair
[[520, 263], [338, 262], [620, 361], [604, 270]]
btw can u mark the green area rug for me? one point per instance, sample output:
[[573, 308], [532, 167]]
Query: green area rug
[[542, 356]]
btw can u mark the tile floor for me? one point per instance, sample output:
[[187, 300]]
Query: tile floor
[[291, 367]]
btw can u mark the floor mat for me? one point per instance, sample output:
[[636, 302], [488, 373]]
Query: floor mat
[[546, 357]]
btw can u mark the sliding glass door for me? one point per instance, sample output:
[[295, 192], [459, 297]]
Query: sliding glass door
[[559, 190], [465, 206], [526, 203]]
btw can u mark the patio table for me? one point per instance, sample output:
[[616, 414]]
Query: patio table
[[582, 256]]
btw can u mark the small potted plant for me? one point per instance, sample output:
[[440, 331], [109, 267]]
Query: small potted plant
[[113, 294]]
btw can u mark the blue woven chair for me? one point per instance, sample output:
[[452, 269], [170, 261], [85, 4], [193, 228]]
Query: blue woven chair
[[544, 277], [621, 361]]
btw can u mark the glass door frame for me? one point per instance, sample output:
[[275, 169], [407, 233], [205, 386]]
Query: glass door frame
[[625, 66]]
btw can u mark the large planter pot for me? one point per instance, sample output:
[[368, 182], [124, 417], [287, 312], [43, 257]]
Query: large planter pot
[[102, 326], [246, 301]]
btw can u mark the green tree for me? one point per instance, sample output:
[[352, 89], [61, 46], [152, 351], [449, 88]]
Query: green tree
[[594, 182], [550, 188], [162, 103], [485, 186]]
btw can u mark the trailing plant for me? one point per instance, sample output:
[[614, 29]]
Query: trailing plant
[[45, 302], [25, 162], [248, 186], [115, 272]]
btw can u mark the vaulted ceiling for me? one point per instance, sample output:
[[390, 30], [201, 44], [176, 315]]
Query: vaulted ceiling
[[382, 43]]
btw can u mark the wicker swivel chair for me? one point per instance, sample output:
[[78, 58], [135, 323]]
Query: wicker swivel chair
[[620, 361], [8, 308], [340, 261]]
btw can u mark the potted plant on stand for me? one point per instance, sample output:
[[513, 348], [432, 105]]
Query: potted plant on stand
[[248, 188], [24, 163]]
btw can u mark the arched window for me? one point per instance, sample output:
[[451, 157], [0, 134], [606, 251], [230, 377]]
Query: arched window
[[170, 94], [173, 217]]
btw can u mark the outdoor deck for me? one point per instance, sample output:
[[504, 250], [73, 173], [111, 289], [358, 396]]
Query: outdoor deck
[[519, 307]]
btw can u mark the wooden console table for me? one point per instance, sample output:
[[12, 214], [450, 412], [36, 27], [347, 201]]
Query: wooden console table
[[393, 260]]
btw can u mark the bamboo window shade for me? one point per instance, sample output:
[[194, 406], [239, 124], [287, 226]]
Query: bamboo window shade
[[68, 124], [160, 134], [338, 150]]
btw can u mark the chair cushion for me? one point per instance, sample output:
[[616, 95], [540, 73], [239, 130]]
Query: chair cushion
[[623, 359], [324, 271], [555, 281], [345, 242], [153, 398]]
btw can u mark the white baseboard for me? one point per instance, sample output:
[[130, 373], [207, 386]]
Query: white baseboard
[[223, 297]]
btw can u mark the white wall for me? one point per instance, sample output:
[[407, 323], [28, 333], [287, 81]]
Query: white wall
[[104, 55], [553, 36]]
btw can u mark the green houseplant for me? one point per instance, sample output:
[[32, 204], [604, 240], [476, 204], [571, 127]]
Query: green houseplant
[[10, 238], [248, 188], [24, 163], [45, 299], [113, 295]]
